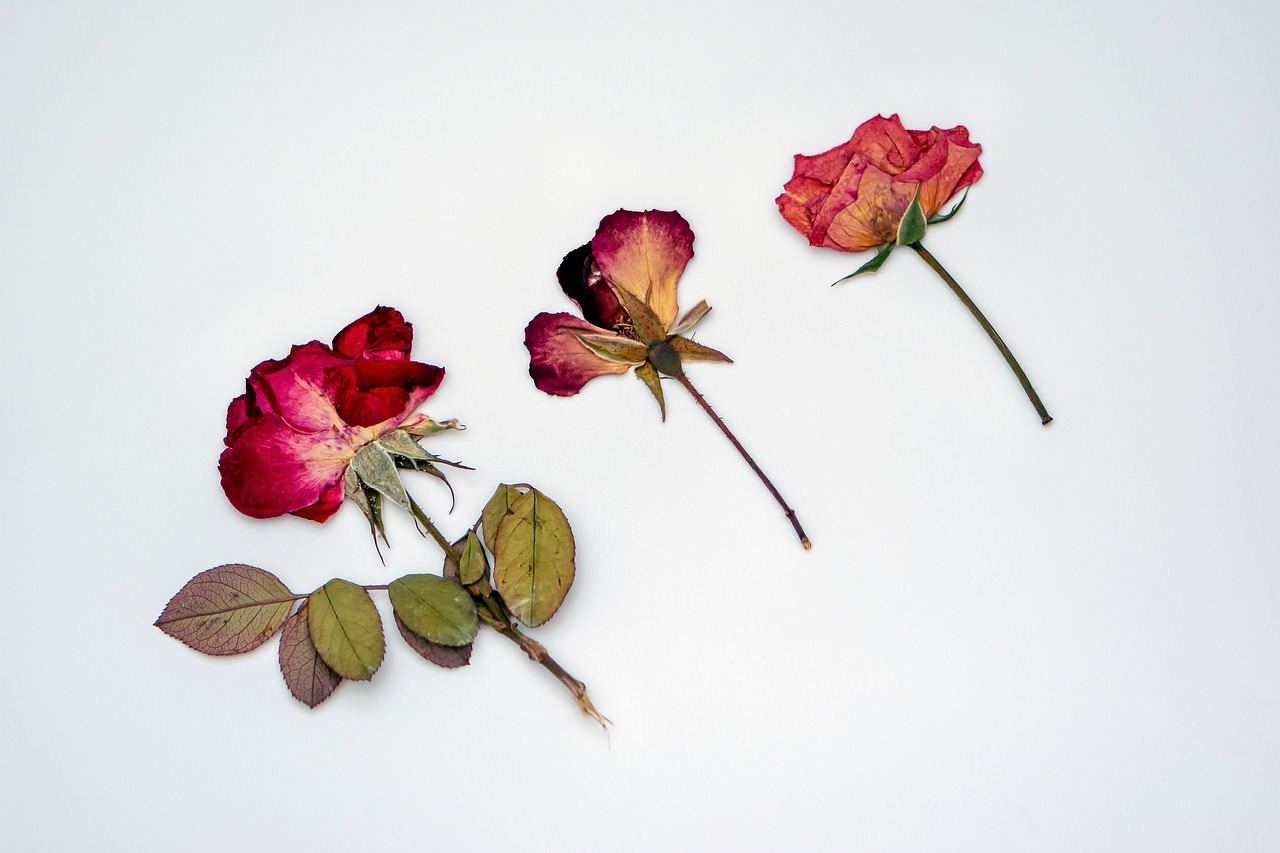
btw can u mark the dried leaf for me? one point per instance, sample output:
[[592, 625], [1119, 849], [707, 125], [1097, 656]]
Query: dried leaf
[[434, 608], [494, 511], [346, 629], [227, 610], [474, 564], [307, 676], [449, 657], [533, 558]]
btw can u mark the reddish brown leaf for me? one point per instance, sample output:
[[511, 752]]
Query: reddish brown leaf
[[449, 657], [227, 610], [307, 676]]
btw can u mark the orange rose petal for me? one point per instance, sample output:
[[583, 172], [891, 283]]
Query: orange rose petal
[[872, 220], [646, 254]]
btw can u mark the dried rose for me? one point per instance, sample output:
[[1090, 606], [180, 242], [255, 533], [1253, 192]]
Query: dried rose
[[624, 282], [882, 189], [853, 197], [302, 419], [636, 257]]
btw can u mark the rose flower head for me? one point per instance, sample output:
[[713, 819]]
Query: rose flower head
[[880, 188], [328, 422], [624, 283]]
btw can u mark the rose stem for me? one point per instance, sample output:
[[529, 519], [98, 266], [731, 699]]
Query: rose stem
[[498, 618], [929, 259], [706, 407]]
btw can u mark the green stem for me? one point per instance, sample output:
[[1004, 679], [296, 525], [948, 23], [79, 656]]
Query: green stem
[[929, 259], [496, 615], [706, 407]]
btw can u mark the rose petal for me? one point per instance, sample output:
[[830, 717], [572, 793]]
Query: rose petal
[[886, 144], [380, 334], [371, 391], [959, 169], [270, 469], [872, 220], [296, 388], [645, 253], [559, 363], [581, 281]]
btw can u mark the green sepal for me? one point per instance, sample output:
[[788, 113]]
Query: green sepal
[[648, 374], [376, 469], [694, 351], [614, 348], [691, 318], [646, 323], [913, 225], [872, 265], [370, 503], [943, 217]]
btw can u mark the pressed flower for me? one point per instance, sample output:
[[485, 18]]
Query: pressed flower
[[882, 189], [624, 282], [292, 436]]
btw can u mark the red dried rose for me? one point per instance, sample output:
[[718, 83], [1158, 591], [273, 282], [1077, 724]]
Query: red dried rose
[[292, 434], [853, 197]]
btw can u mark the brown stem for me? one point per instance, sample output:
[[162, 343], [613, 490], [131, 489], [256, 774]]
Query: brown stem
[[706, 407], [991, 331], [496, 615]]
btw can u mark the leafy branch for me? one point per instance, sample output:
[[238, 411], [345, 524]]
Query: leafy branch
[[336, 632]]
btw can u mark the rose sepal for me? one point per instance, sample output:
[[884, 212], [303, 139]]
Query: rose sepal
[[870, 266], [943, 217], [648, 374], [914, 223]]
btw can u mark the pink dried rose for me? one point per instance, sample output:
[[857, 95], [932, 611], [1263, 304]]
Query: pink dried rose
[[624, 282], [882, 189], [853, 197], [303, 418]]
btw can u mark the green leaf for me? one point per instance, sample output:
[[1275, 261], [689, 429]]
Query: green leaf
[[449, 657], [694, 351], [913, 225], [533, 561], [434, 608], [646, 323], [497, 507], [376, 468], [648, 374], [943, 217], [614, 348], [308, 677], [227, 610], [473, 565], [870, 266], [691, 318], [346, 629]]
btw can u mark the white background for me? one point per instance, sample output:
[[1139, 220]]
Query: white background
[[1006, 636]]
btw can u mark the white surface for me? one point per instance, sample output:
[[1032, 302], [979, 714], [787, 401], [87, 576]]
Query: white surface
[[1006, 637]]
